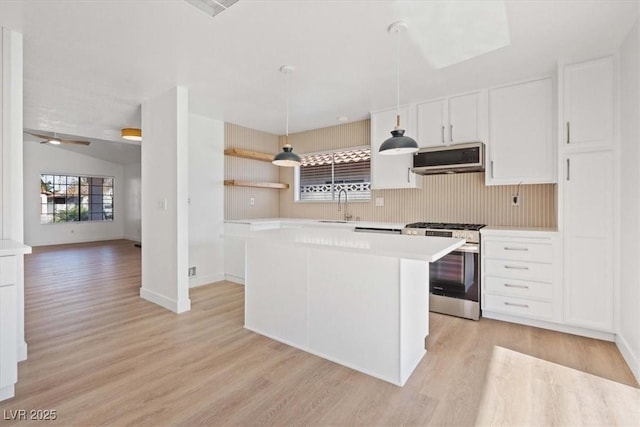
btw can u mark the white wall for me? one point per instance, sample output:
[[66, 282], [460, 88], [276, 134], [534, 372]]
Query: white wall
[[628, 338], [165, 184], [206, 199], [44, 158], [132, 201]]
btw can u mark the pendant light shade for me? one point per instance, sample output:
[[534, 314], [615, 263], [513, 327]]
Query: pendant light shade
[[398, 143], [287, 157]]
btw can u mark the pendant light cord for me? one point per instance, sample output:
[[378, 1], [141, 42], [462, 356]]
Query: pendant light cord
[[287, 108], [398, 79]]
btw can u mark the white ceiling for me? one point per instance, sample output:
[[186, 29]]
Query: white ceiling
[[88, 65]]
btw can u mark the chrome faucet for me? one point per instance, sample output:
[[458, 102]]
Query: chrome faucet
[[347, 215]]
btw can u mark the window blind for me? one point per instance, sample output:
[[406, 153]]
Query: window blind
[[323, 175]]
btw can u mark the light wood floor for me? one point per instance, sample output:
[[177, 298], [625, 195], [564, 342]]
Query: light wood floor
[[100, 355]]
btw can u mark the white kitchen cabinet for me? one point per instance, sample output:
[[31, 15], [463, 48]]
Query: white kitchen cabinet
[[392, 171], [464, 118], [452, 120], [521, 146], [8, 326], [520, 276], [431, 123], [588, 104], [588, 216]]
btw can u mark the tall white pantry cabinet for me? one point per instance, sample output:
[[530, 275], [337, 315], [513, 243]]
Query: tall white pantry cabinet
[[587, 186]]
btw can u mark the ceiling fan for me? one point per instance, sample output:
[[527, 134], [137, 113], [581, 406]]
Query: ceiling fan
[[56, 140]]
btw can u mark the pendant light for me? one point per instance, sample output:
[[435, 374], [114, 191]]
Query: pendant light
[[287, 157], [398, 143]]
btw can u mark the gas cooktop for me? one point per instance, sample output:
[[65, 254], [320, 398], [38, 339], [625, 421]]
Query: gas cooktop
[[445, 226]]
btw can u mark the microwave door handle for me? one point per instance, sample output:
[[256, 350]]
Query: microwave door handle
[[442, 134]]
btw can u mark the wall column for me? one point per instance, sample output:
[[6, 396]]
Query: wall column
[[165, 185]]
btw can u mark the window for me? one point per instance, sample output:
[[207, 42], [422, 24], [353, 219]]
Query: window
[[65, 198], [321, 176]]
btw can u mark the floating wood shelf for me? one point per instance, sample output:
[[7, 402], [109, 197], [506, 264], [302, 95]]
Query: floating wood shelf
[[248, 154], [236, 183]]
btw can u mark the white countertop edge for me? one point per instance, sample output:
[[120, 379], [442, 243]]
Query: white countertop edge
[[412, 247], [11, 247], [539, 232], [319, 222]]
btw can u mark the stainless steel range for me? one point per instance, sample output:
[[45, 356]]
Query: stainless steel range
[[454, 280]]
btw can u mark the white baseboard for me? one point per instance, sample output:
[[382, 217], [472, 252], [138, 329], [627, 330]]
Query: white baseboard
[[170, 304], [629, 356], [132, 238], [194, 282], [599, 335], [234, 279], [7, 392], [22, 351]]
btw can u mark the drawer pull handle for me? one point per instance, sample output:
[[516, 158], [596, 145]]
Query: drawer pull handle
[[507, 248], [515, 267], [516, 305], [509, 285]]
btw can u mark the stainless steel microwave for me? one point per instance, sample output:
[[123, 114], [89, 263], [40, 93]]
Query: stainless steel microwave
[[458, 158]]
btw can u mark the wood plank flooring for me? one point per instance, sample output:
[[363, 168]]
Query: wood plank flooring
[[101, 355]]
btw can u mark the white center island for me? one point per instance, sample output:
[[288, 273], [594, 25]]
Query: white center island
[[358, 299]]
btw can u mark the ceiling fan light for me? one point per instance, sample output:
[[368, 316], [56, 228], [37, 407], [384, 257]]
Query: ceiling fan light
[[55, 141], [132, 134], [398, 144]]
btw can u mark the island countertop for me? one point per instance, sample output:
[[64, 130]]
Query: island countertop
[[428, 249]]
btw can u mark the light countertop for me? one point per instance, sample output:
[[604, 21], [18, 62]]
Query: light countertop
[[519, 231], [394, 245], [320, 223], [11, 247]]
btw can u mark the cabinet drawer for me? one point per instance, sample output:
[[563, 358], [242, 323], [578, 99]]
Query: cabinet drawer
[[519, 270], [522, 251], [517, 288], [518, 306], [8, 270]]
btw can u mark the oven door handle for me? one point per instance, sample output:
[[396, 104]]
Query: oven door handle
[[468, 247]]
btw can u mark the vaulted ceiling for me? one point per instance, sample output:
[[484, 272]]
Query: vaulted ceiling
[[88, 65]]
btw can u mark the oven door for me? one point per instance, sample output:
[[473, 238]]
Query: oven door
[[457, 274]]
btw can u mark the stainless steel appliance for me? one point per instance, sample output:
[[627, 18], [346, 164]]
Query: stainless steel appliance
[[456, 158], [454, 280]]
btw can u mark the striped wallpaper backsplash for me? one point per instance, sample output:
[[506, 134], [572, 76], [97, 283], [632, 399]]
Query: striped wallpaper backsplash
[[237, 199], [454, 198]]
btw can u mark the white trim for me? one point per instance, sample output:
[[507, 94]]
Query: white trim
[[628, 355], [168, 303], [196, 281], [605, 336], [235, 279], [7, 392], [22, 351], [395, 381]]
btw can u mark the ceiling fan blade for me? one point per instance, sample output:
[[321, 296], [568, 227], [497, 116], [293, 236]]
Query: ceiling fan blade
[[48, 138], [70, 141], [37, 135]]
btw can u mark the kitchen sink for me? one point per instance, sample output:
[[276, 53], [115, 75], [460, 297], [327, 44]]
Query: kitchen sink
[[334, 221]]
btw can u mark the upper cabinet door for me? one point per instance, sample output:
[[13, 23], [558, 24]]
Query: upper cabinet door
[[588, 104], [521, 148], [464, 118], [391, 171], [431, 123]]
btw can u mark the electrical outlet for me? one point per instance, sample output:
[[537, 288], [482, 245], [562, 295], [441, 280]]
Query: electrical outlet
[[379, 201], [192, 271], [252, 201], [515, 201]]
